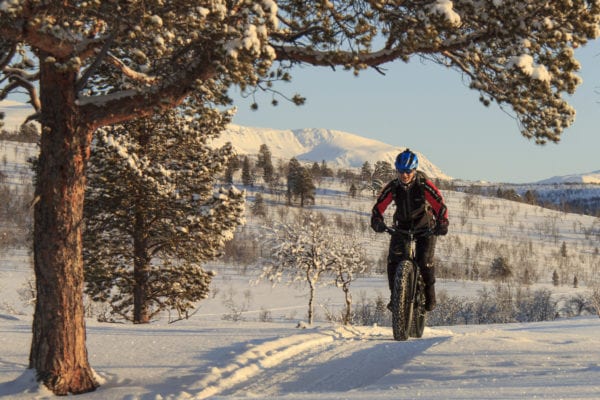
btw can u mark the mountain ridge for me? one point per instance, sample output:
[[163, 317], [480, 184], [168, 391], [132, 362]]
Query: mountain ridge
[[337, 148]]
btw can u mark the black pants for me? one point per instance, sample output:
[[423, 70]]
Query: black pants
[[400, 250]]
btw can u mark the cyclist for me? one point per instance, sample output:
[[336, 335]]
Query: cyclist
[[419, 205]]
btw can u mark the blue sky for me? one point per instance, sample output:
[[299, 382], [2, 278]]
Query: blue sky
[[431, 110]]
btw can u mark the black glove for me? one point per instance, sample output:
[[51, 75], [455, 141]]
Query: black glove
[[377, 225], [441, 227]]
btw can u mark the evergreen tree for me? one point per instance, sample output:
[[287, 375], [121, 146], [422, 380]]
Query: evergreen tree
[[555, 278], [258, 207], [563, 249], [326, 172], [266, 164], [366, 171], [296, 180], [315, 171], [531, 197], [300, 183], [383, 171], [247, 177], [307, 189], [152, 214], [500, 269]]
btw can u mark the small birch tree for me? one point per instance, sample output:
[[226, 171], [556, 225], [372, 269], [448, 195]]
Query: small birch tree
[[350, 262], [307, 250]]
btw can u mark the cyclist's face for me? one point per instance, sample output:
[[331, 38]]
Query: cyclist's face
[[407, 176]]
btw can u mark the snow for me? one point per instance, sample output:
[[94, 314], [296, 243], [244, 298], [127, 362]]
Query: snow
[[590, 177], [198, 359], [445, 8], [229, 350], [339, 149], [526, 64]]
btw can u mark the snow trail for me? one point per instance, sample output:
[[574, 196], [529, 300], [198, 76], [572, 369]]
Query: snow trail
[[288, 357]]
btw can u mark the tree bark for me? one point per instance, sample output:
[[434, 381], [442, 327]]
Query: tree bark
[[141, 263], [58, 350]]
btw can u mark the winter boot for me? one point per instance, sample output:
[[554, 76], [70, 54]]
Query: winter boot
[[430, 297]]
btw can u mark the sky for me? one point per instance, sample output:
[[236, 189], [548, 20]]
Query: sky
[[431, 110]]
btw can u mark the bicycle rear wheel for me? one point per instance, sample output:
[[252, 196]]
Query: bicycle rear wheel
[[401, 300]]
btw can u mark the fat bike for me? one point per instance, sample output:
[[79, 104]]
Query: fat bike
[[408, 292]]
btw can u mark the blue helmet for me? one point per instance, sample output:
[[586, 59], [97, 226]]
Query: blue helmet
[[406, 161]]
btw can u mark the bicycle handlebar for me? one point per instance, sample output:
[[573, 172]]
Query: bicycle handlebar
[[410, 232]]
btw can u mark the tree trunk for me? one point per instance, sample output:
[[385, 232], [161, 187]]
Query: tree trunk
[[310, 302], [141, 262], [58, 348], [348, 298]]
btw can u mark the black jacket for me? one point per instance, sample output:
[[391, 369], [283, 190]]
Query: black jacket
[[417, 206]]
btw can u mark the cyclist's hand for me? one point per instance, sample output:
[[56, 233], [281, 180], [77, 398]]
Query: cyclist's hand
[[441, 227], [377, 225]]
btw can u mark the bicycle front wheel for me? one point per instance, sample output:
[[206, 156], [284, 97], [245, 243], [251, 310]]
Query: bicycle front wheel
[[401, 300], [419, 312]]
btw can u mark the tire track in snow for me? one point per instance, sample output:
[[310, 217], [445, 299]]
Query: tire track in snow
[[318, 347], [261, 357]]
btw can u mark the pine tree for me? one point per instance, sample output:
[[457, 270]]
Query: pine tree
[[555, 278], [563, 249], [315, 171], [500, 269], [152, 214], [265, 163], [247, 177], [258, 207], [326, 172], [366, 171], [383, 171]]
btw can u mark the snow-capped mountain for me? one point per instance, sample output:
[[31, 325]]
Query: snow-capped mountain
[[590, 177], [338, 149]]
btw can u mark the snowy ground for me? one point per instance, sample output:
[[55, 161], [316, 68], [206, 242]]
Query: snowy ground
[[225, 360], [210, 357]]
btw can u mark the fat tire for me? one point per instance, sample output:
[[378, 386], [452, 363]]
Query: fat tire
[[401, 295], [419, 317]]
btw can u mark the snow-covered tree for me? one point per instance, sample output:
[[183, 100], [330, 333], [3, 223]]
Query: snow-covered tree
[[88, 64], [152, 214], [308, 250], [350, 261]]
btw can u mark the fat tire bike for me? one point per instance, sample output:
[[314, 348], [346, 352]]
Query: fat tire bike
[[408, 291]]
